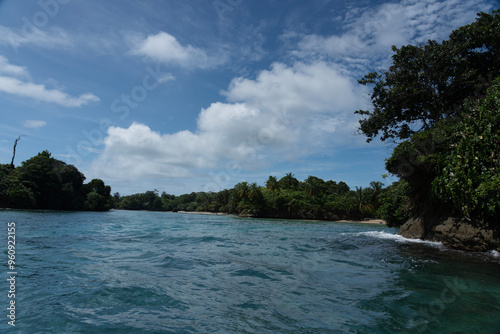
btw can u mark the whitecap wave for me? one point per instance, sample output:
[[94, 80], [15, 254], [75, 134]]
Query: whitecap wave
[[398, 238], [494, 253]]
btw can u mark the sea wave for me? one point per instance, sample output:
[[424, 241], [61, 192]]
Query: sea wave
[[495, 254], [397, 238], [188, 274]]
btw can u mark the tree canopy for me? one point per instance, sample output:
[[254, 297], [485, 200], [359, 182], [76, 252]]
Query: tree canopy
[[442, 100], [455, 166], [43, 182], [312, 198], [429, 82]]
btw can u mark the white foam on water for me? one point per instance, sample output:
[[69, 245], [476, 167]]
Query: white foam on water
[[494, 253], [397, 238]]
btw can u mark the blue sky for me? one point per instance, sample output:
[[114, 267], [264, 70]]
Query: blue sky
[[185, 96]]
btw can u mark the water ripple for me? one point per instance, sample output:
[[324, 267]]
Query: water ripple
[[133, 272]]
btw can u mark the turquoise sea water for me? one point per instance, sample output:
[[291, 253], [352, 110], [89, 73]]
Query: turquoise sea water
[[147, 272]]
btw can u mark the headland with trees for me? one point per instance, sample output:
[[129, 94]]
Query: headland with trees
[[440, 104], [43, 182]]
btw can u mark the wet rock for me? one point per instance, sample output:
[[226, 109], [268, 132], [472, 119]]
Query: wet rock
[[413, 229], [457, 233]]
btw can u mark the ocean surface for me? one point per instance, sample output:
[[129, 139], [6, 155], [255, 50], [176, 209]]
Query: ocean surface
[[154, 272]]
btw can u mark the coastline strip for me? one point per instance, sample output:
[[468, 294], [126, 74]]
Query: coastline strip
[[365, 221]]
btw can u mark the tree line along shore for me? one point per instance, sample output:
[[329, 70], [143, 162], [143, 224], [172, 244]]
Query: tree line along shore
[[43, 182], [286, 197]]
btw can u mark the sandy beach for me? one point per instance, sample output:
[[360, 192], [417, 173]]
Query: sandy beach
[[206, 213], [367, 221]]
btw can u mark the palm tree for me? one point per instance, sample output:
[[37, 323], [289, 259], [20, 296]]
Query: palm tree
[[242, 190], [232, 202], [362, 200], [376, 188], [272, 184], [289, 181], [311, 186], [255, 195]]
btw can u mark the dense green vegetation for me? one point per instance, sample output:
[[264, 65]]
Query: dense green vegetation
[[430, 82], [440, 103], [287, 197], [453, 168], [43, 182]]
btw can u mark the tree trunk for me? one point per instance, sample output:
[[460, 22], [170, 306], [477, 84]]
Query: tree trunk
[[14, 153]]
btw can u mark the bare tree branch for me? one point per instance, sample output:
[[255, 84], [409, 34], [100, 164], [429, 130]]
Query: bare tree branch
[[14, 154]]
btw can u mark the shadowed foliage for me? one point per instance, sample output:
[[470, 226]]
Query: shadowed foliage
[[442, 102], [43, 182], [313, 198]]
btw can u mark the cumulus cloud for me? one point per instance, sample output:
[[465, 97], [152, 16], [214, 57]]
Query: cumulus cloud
[[224, 132], [288, 111], [17, 86], [138, 151], [301, 88], [34, 124], [165, 48], [273, 117]]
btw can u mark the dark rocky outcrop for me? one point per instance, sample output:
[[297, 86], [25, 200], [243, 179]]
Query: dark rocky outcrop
[[457, 233]]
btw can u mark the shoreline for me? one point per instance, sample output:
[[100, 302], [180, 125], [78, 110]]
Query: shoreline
[[349, 221], [207, 213], [368, 221]]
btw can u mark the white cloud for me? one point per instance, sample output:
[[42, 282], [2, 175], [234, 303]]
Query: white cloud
[[165, 48], [34, 124], [39, 92], [288, 111], [90, 149], [283, 114], [138, 151], [166, 78], [301, 88], [49, 38], [57, 39], [9, 69], [370, 32]]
